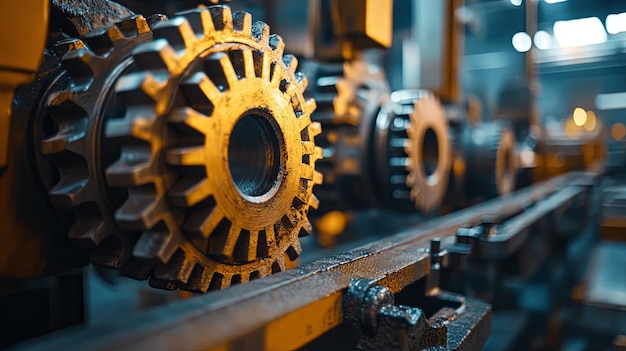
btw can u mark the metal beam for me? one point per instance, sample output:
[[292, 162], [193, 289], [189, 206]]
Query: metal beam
[[289, 309]]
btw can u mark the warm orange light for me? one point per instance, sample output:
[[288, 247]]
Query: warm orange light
[[618, 131], [592, 121], [580, 116]]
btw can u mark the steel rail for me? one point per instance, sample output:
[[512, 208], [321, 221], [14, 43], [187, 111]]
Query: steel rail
[[287, 310]]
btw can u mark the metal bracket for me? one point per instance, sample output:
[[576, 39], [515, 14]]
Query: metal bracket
[[460, 323]]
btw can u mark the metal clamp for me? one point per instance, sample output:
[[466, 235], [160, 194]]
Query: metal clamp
[[369, 308]]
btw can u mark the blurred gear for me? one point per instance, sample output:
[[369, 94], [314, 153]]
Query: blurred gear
[[77, 110], [218, 152], [411, 140], [349, 97], [490, 160]]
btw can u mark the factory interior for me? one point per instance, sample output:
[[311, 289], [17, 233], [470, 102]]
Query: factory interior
[[276, 175]]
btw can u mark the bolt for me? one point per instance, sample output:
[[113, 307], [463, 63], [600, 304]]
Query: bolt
[[375, 299]]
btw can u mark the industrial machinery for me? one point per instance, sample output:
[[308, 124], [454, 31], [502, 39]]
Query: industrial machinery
[[339, 174]]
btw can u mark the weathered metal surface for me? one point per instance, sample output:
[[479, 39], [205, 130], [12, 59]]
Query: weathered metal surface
[[77, 18], [498, 241], [460, 324], [217, 152], [244, 317]]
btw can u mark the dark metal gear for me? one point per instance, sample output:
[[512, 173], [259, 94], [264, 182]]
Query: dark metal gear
[[413, 151], [490, 160], [348, 97], [218, 153], [77, 110]]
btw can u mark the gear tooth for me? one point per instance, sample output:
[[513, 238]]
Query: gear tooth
[[140, 88], [135, 26], [242, 22], [178, 268], [140, 211], [111, 33], [155, 55], [162, 284], [317, 178], [311, 106], [191, 117], [309, 147], [222, 17], [186, 156], [223, 243], [219, 281], [228, 69], [202, 224], [199, 280], [261, 31], [190, 191], [201, 92], [177, 31], [63, 143], [138, 269], [294, 250], [64, 46], [200, 20], [78, 65], [315, 129], [314, 202], [303, 83], [291, 62], [155, 244], [265, 271], [318, 154], [129, 170], [155, 19], [67, 195], [244, 278], [279, 264], [277, 44], [307, 227], [87, 231], [249, 64]]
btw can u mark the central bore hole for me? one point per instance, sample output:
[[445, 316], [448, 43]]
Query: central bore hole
[[254, 155], [430, 152]]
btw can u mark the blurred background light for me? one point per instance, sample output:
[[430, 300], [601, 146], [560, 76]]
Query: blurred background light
[[580, 116], [553, 1], [521, 42], [591, 122], [618, 131], [611, 101], [616, 23], [543, 40], [516, 2], [579, 32]]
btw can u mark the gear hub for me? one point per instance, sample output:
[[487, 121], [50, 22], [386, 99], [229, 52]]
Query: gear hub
[[217, 151], [413, 151]]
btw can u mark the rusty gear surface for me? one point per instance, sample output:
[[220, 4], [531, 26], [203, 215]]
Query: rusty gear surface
[[78, 110], [210, 217], [415, 148], [348, 97]]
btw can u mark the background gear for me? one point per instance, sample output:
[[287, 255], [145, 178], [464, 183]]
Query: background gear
[[211, 82], [491, 160], [349, 97], [412, 151], [77, 111]]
